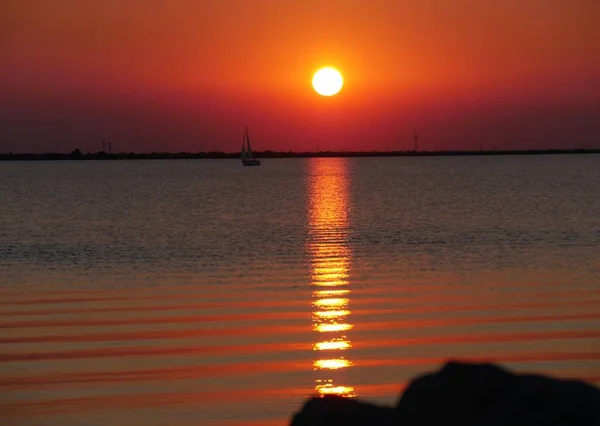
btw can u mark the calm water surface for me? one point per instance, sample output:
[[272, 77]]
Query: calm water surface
[[206, 293]]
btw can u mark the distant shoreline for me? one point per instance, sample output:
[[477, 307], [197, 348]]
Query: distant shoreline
[[76, 155]]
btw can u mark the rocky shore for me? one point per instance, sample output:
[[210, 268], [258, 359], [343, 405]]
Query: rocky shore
[[461, 394]]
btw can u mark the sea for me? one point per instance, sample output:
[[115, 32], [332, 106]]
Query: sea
[[201, 292]]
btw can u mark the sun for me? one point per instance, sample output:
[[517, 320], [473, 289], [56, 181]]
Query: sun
[[327, 81]]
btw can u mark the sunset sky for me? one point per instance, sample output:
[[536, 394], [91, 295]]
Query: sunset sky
[[188, 75]]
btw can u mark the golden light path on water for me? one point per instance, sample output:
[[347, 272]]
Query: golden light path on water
[[330, 264]]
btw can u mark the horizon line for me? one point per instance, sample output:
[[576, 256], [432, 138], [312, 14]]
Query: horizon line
[[101, 155]]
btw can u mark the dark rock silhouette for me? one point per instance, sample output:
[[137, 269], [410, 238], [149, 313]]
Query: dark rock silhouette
[[334, 411], [467, 395]]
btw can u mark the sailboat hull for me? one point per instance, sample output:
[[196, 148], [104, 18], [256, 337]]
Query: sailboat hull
[[252, 162]]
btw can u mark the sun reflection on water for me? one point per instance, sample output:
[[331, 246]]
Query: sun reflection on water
[[331, 302], [332, 344], [330, 265], [324, 328]]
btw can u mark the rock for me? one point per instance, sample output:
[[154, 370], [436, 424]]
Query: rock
[[486, 395], [335, 410], [467, 395]]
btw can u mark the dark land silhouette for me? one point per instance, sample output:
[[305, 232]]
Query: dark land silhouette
[[463, 394], [76, 154]]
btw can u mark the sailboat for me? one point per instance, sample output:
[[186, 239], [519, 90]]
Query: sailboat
[[247, 157]]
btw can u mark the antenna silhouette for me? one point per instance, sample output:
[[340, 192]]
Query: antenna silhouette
[[416, 143]]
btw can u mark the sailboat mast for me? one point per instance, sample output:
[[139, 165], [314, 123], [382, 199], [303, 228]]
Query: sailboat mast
[[416, 143], [244, 153], [248, 141]]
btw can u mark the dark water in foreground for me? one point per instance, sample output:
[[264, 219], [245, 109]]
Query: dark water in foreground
[[206, 293]]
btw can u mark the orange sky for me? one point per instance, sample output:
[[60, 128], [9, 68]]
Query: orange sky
[[188, 75]]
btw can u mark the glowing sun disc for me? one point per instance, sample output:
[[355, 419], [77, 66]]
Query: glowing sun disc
[[327, 81]]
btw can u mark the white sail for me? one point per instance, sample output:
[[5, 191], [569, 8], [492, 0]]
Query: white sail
[[249, 147], [244, 153]]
